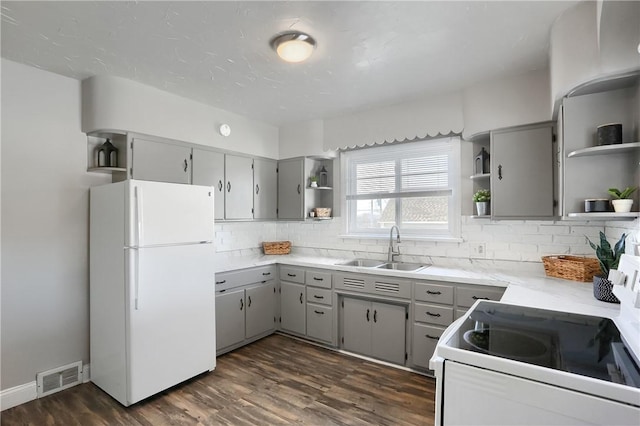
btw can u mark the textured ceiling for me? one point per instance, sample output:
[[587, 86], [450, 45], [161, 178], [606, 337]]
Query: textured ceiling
[[369, 54]]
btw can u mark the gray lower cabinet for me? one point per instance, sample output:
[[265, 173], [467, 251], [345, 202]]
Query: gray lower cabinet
[[374, 329], [208, 170], [230, 319], [291, 189], [160, 161], [245, 306], [320, 313], [261, 309], [242, 315], [425, 339], [522, 172], [265, 189], [292, 307]]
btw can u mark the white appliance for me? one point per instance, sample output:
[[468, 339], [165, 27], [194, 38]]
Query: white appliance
[[517, 365], [152, 286]]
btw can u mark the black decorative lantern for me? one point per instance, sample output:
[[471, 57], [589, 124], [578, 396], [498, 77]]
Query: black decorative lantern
[[107, 155], [481, 165], [324, 177]]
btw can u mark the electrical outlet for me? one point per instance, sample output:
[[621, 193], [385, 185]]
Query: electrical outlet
[[477, 250]]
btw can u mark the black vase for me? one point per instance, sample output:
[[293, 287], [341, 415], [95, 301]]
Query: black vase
[[603, 290]]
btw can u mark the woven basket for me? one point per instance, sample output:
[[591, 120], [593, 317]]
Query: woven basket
[[571, 267], [277, 247], [323, 212]]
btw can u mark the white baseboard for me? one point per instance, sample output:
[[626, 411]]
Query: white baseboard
[[18, 395], [86, 375]]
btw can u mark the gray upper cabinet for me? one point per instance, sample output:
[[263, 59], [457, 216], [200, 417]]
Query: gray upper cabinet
[[238, 187], [208, 169], [265, 189], [291, 189], [522, 173], [160, 161]]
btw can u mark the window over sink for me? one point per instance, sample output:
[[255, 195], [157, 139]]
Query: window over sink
[[414, 185]]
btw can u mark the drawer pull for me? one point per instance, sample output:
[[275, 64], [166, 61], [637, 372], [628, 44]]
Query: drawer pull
[[433, 292], [318, 279], [480, 298], [291, 275], [318, 297], [221, 282], [319, 312], [428, 336], [432, 315], [266, 273]]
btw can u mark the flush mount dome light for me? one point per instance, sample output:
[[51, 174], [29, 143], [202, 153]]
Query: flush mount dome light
[[294, 46]]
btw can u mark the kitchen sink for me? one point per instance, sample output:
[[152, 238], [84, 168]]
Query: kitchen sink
[[402, 266], [367, 263]]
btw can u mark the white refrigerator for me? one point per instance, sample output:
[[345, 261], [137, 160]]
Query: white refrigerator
[[152, 286]]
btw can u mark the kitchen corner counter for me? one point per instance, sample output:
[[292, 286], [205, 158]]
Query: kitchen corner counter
[[538, 291]]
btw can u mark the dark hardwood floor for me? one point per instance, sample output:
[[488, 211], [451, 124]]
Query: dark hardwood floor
[[277, 380]]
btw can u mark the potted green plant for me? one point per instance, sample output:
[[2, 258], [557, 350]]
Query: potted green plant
[[313, 181], [622, 201], [482, 199], [608, 258]]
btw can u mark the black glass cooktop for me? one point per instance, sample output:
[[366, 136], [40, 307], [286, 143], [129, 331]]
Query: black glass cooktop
[[580, 344]]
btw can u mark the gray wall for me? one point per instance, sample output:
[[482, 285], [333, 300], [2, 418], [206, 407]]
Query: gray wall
[[44, 287]]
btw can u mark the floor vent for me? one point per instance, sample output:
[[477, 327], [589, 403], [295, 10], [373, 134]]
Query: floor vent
[[60, 378]]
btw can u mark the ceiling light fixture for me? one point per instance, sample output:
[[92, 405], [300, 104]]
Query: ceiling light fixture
[[293, 46]]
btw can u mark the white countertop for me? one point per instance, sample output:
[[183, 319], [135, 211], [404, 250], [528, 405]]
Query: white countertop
[[522, 289]]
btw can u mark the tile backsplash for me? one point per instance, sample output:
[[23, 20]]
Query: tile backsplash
[[515, 245]]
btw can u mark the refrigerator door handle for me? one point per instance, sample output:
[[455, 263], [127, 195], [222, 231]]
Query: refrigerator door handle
[[138, 194], [134, 275]]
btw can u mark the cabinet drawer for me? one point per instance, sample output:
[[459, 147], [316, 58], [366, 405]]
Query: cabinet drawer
[[319, 295], [318, 279], [425, 339], [433, 314], [467, 296], [294, 275], [320, 322], [232, 279], [436, 293]]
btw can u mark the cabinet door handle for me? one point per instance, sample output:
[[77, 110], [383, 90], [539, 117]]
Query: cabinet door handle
[[301, 298], [266, 273], [249, 302], [318, 279], [428, 336], [186, 165], [500, 171], [221, 282], [319, 312], [228, 186], [480, 298], [367, 315], [220, 185], [299, 188], [375, 315], [433, 292], [318, 297], [257, 189], [241, 304], [432, 315]]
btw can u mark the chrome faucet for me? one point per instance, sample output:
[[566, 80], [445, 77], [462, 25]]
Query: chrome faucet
[[393, 253]]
